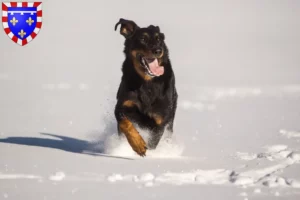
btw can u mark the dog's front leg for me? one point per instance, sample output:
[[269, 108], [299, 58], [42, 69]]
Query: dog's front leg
[[133, 137], [126, 127]]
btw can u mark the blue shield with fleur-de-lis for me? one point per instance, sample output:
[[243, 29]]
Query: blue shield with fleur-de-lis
[[22, 21]]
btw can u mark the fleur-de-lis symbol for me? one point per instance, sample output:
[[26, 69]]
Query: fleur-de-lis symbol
[[22, 33], [29, 21], [14, 21]]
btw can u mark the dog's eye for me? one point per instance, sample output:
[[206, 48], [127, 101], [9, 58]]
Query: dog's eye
[[143, 39]]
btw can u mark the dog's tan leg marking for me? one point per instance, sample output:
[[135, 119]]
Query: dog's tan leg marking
[[133, 137], [128, 103]]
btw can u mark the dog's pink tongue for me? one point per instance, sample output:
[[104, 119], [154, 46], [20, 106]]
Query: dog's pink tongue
[[155, 68]]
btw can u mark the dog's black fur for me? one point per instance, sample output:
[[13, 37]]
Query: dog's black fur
[[151, 101]]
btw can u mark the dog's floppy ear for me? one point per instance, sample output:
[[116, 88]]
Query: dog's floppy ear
[[128, 27]]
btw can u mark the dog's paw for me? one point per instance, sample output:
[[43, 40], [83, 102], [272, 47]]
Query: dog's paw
[[138, 144]]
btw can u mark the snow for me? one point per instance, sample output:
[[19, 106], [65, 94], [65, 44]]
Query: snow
[[215, 150], [290, 134], [18, 176], [58, 176], [236, 133]]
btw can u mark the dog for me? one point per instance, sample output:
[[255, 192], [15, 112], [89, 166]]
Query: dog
[[147, 95]]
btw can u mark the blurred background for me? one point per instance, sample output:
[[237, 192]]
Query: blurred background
[[212, 42]]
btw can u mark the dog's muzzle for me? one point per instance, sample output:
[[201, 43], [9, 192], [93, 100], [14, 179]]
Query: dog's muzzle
[[150, 64]]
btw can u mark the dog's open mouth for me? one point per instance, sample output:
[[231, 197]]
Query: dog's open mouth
[[151, 65]]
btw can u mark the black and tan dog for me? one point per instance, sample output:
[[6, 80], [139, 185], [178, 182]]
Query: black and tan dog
[[147, 94]]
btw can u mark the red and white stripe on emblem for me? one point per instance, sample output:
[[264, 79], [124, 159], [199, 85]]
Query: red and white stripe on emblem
[[38, 27]]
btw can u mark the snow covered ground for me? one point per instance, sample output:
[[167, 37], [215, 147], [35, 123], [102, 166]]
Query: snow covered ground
[[237, 130], [236, 143]]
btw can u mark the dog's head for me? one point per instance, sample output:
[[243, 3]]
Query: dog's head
[[145, 46]]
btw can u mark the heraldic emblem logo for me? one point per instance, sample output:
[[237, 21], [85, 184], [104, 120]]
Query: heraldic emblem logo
[[22, 21]]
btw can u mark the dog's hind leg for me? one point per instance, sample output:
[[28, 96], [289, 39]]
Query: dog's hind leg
[[171, 123], [156, 135], [170, 127]]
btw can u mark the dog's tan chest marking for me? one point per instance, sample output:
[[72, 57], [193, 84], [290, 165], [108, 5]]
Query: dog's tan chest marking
[[128, 103], [157, 118]]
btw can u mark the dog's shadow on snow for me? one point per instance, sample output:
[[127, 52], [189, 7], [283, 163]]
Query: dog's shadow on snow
[[69, 144]]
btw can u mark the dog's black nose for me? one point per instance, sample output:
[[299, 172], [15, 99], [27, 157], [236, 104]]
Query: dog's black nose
[[157, 52]]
